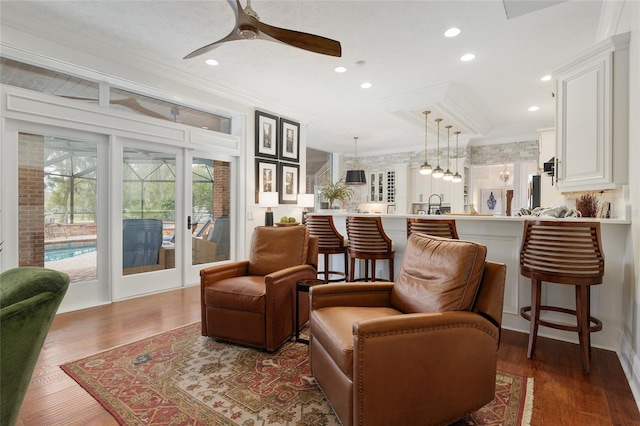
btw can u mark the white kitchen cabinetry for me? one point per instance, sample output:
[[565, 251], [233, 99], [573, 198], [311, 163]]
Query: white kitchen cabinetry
[[592, 115], [423, 186]]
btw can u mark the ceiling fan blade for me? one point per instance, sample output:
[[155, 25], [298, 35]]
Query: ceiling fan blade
[[233, 35], [310, 42]]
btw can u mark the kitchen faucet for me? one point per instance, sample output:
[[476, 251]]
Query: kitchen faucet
[[439, 204]]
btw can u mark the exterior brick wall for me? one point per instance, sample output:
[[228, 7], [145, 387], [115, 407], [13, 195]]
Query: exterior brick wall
[[221, 188], [31, 199]]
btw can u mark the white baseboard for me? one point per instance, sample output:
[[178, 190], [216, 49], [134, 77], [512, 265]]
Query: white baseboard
[[631, 366]]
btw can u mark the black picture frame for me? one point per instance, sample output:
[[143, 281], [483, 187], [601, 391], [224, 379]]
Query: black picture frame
[[289, 142], [267, 132], [266, 176], [289, 181]]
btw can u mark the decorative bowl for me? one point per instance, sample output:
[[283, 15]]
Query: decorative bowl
[[287, 224]]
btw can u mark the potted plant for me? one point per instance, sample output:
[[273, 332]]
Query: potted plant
[[332, 191]]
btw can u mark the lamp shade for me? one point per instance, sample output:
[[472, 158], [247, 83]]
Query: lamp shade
[[355, 177], [306, 200], [268, 199]]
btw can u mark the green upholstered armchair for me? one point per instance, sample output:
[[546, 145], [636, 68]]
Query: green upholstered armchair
[[29, 299]]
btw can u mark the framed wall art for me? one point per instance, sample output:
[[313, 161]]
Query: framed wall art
[[289, 140], [288, 178], [491, 201], [266, 135], [266, 176]]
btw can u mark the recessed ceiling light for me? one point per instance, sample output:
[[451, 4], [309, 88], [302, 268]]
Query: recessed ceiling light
[[533, 108], [340, 69], [366, 85], [468, 57], [452, 32], [546, 78], [211, 62]]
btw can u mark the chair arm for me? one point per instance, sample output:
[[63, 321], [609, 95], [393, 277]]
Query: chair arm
[[297, 272], [451, 357], [365, 294], [221, 272]]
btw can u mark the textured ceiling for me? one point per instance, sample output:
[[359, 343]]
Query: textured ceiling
[[396, 45]]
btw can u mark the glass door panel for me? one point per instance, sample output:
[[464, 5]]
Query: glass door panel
[[210, 221], [148, 211], [57, 180]]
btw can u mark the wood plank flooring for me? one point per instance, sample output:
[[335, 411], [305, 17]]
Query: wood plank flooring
[[562, 394]]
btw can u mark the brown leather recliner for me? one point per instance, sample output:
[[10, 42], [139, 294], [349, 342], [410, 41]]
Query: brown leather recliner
[[420, 351], [252, 302]]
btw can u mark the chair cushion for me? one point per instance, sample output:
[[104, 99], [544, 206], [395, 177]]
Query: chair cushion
[[274, 249], [438, 274], [244, 293], [332, 327]]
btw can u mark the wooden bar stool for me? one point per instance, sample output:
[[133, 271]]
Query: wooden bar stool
[[562, 253], [368, 241], [330, 241], [445, 228]]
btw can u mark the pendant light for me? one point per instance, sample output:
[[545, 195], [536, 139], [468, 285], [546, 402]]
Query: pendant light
[[457, 178], [356, 176], [438, 172], [425, 169], [448, 175]]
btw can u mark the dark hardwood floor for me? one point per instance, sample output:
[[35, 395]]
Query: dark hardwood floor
[[562, 394]]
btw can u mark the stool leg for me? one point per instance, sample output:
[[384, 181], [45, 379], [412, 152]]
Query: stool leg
[[346, 265], [326, 267], [536, 291], [582, 314], [366, 269], [373, 269], [391, 271], [352, 268]]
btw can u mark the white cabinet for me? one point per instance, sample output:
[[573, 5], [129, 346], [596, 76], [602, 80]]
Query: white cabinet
[[424, 186], [592, 113]]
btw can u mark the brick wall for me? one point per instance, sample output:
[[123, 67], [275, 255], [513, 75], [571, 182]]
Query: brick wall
[[221, 188], [504, 153], [31, 199]]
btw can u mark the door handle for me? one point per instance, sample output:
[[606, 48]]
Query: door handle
[[188, 222]]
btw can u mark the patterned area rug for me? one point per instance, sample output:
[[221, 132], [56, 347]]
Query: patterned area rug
[[182, 378]]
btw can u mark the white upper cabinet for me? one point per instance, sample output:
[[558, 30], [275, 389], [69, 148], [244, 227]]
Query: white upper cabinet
[[592, 115]]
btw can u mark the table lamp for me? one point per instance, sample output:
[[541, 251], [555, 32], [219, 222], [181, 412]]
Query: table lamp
[[305, 201], [268, 200]]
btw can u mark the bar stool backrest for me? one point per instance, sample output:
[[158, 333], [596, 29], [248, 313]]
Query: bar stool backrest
[[562, 252], [366, 234], [329, 239], [445, 228]]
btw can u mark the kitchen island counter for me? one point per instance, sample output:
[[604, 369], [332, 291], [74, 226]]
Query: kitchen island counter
[[503, 237]]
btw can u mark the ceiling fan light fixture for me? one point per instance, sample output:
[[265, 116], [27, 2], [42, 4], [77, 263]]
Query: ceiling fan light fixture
[[248, 32]]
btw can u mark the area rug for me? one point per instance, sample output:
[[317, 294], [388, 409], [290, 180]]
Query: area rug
[[181, 378]]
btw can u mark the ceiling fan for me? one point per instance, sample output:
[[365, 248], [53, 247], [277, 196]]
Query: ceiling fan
[[249, 27]]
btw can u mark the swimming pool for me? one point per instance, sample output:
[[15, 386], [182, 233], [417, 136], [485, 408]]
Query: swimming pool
[[60, 253]]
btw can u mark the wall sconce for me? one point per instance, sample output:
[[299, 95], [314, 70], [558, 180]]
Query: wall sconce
[[268, 200], [305, 201], [505, 175]]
